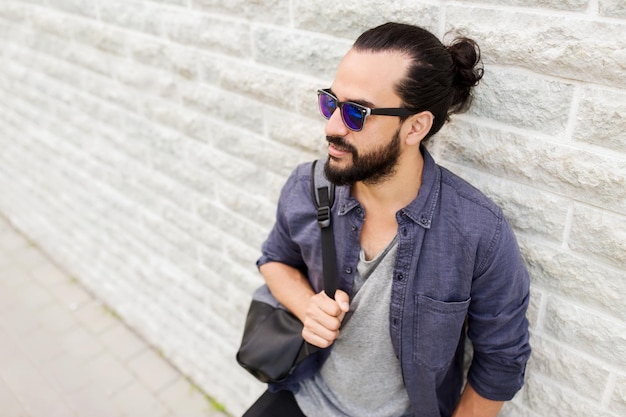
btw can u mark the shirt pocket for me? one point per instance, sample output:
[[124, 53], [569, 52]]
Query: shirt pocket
[[437, 330]]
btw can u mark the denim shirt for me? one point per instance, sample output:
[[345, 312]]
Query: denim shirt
[[458, 272]]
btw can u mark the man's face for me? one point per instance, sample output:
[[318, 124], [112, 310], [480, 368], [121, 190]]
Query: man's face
[[371, 167], [370, 155]]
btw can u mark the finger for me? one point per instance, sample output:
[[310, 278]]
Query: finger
[[326, 304], [317, 319], [323, 340], [343, 300]]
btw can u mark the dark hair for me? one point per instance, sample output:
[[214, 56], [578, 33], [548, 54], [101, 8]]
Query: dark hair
[[439, 79]]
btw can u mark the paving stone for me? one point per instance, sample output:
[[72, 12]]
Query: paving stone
[[153, 370], [30, 257], [33, 297], [122, 342], [71, 294], [89, 402], [37, 395], [41, 345], [82, 344], [10, 406], [48, 275], [137, 400], [96, 317], [109, 374], [9, 349], [13, 275], [67, 373], [5, 262], [7, 299], [18, 320], [11, 241], [187, 400], [58, 319]]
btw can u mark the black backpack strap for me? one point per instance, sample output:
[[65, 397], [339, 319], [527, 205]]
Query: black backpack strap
[[323, 194]]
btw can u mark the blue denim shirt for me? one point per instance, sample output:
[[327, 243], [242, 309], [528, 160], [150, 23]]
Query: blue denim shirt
[[458, 272]]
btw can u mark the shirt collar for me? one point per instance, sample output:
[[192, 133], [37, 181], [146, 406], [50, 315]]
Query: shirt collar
[[421, 210]]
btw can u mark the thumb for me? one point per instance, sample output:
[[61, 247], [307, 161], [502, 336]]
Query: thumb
[[343, 299]]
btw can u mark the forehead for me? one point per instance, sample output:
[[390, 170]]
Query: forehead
[[370, 76]]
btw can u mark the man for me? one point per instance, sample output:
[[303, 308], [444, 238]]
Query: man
[[423, 257]]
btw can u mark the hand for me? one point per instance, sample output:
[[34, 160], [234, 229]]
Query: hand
[[323, 318]]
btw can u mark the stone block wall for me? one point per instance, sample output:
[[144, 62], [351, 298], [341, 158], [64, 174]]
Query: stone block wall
[[143, 145]]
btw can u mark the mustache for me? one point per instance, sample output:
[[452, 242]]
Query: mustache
[[340, 143]]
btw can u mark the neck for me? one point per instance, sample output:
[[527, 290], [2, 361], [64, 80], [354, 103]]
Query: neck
[[395, 192]]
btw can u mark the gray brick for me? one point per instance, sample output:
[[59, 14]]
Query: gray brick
[[535, 307], [322, 16], [618, 400], [298, 51], [270, 11], [142, 78], [228, 107], [566, 5], [601, 118], [106, 39], [174, 2], [14, 13], [612, 8], [59, 24], [129, 14], [565, 49], [80, 7], [563, 364], [599, 233], [541, 394], [590, 332], [524, 100], [296, 131], [267, 85], [568, 274], [216, 34], [581, 174]]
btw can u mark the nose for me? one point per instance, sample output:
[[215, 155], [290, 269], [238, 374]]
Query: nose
[[335, 126]]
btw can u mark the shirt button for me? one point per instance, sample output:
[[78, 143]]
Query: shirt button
[[359, 210], [399, 277], [348, 270], [424, 220], [353, 228], [404, 232]]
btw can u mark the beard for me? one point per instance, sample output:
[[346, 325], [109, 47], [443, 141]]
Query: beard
[[370, 168]]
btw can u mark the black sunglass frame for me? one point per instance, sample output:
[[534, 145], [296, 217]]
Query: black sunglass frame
[[365, 111]]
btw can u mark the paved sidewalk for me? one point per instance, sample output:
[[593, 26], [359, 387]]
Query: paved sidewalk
[[62, 354]]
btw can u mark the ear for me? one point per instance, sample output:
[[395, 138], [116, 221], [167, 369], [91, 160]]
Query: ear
[[419, 127]]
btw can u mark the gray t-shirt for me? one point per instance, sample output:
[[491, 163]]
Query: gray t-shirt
[[362, 375]]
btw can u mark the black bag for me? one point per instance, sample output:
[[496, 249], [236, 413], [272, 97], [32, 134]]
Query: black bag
[[272, 344]]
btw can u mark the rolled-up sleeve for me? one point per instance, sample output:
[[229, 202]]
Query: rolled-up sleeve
[[498, 327], [279, 245]]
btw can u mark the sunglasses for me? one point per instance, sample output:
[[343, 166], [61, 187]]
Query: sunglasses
[[353, 114]]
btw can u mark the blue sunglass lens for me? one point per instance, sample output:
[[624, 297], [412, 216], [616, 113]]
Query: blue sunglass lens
[[327, 105], [352, 116]]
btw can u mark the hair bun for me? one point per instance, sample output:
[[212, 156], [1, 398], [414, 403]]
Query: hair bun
[[467, 69]]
